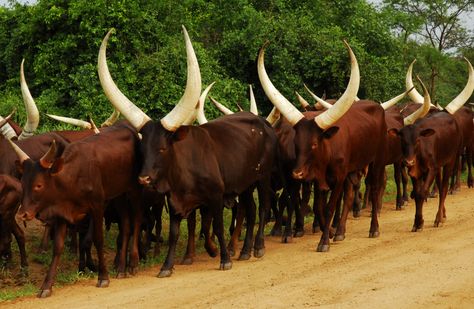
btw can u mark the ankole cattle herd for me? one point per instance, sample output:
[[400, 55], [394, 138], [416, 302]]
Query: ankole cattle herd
[[128, 171]]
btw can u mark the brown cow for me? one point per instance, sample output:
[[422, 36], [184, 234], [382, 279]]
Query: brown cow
[[67, 188], [201, 166], [333, 145]]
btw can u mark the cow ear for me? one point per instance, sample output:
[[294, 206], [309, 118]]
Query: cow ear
[[330, 132], [393, 132], [427, 132], [57, 166], [180, 133], [19, 167]]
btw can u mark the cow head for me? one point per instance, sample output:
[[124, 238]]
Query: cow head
[[411, 138], [311, 134], [37, 181], [157, 137]]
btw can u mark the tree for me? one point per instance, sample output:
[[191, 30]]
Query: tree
[[439, 24]]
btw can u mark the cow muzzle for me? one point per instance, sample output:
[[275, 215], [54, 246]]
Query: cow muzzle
[[298, 174], [144, 180], [25, 215], [410, 163]]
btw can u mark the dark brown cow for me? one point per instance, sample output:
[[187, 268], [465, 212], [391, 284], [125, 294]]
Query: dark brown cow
[[201, 166], [333, 145], [67, 188], [429, 145], [10, 196]]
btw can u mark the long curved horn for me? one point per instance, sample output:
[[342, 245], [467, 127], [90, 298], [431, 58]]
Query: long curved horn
[[201, 118], [133, 114], [323, 103], [5, 128], [414, 95], [289, 111], [304, 104], [253, 103], [423, 110], [274, 115], [32, 119], [465, 94], [395, 100], [221, 107], [22, 156], [329, 117], [112, 119], [187, 103], [73, 121], [47, 160]]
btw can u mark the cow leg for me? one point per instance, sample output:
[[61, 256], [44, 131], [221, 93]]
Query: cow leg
[[218, 228], [191, 245], [20, 240], [206, 219], [456, 177], [59, 236], [305, 197], [404, 183], [264, 199], [397, 175], [167, 268], [441, 215], [336, 218], [300, 212], [122, 242], [323, 245], [470, 181], [87, 246], [348, 200], [44, 244], [246, 200], [157, 209], [97, 219], [419, 200], [239, 219], [356, 204], [319, 202], [287, 236], [135, 202], [282, 201], [376, 178]]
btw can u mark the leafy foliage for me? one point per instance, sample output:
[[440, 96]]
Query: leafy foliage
[[59, 41]]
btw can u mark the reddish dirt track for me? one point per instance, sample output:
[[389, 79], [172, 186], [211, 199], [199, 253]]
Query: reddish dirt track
[[400, 269]]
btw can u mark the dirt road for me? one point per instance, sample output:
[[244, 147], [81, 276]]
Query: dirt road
[[400, 269]]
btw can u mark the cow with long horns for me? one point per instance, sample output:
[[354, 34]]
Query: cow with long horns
[[200, 166], [333, 145]]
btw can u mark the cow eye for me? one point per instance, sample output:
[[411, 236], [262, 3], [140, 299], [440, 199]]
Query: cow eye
[[38, 186]]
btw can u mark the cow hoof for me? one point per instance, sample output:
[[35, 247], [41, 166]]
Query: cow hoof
[[417, 229], [133, 271], [299, 233], [225, 266], [287, 239], [339, 237], [438, 224], [258, 253], [102, 283], [121, 275], [322, 248], [374, 234], [356, 214], [244, 256], [45, 293], [165, 273], [212, 251], [187, 261], [316, 229]]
